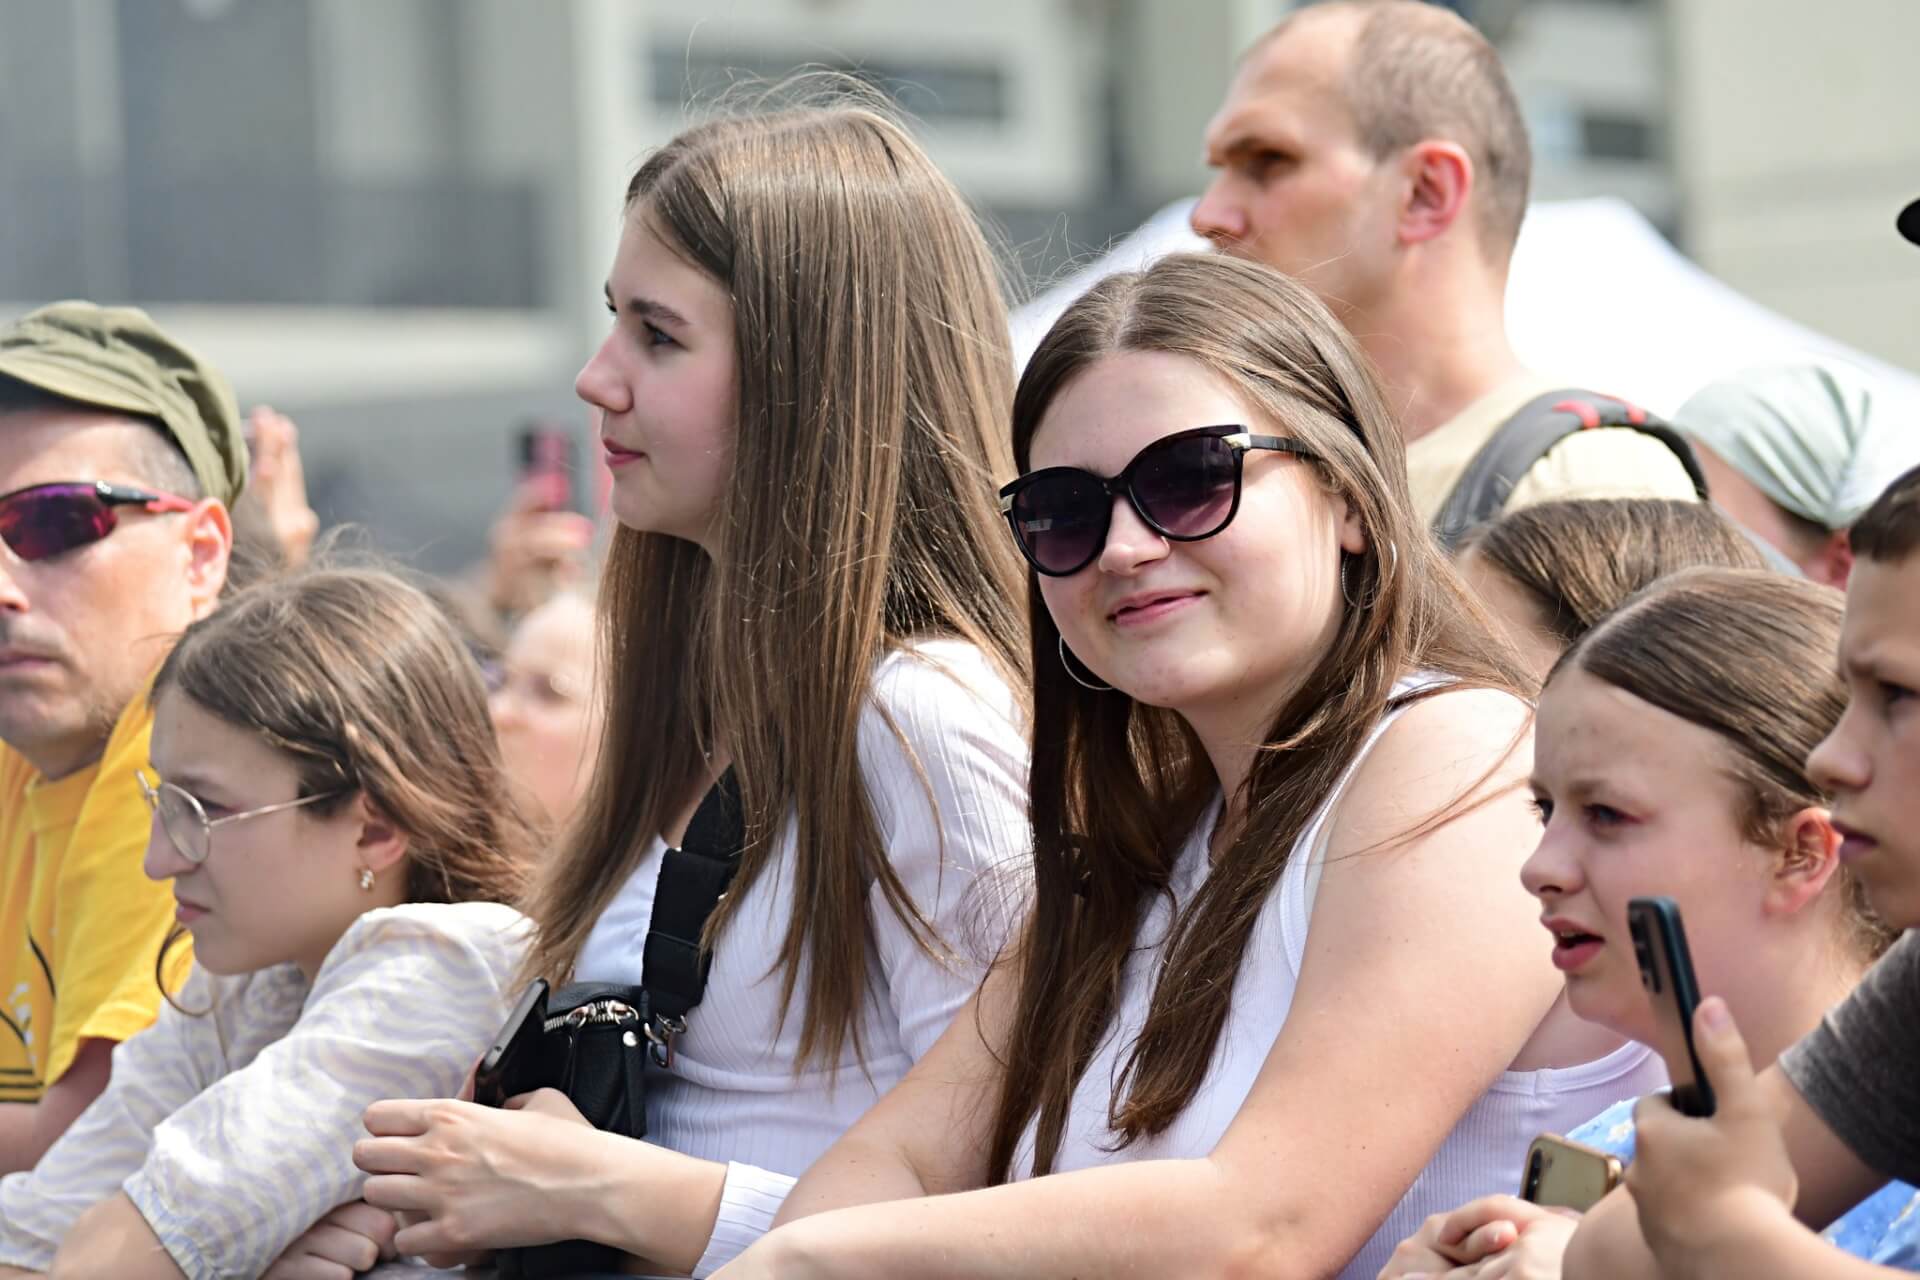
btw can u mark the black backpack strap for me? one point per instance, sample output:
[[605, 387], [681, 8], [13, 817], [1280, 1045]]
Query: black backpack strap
[[1528, 436], [693, 880]]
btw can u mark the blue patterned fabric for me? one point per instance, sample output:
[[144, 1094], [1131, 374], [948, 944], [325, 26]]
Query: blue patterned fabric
[[1884, 1228]]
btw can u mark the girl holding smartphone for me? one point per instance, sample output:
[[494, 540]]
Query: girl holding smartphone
[[1670, 760]]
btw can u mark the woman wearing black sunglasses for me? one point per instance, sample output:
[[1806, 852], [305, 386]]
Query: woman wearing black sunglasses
[[1277, 990]]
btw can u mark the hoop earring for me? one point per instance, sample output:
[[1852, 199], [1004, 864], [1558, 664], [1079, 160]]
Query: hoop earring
[[1346, 592], [1066, 660]]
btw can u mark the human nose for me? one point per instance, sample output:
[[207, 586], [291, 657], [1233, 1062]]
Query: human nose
[[599, 381], [163, 861], [13, 596], [505, 707], [1838, 763], [1219, 217], [1552, 870], [1131, 542]]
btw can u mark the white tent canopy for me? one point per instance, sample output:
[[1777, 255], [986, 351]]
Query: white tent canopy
[[1596, 297]]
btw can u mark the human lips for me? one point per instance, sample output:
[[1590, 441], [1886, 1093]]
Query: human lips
[[618, 455], [187, 912], [15, 658], [1574, 945], [1150, 606]]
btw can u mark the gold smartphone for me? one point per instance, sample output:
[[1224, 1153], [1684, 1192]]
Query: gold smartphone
[[1566, 1174]]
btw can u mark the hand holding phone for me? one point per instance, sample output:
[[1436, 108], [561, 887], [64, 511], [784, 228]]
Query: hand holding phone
[[1666, 971], [1562, 1173]]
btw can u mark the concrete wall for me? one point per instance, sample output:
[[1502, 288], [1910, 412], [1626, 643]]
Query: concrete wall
[[1797, 140]]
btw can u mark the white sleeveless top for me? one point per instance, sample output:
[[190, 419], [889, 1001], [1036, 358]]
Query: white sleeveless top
[[1486, 1149]]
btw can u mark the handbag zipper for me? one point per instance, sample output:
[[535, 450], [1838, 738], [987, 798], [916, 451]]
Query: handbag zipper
[[597, 1012]]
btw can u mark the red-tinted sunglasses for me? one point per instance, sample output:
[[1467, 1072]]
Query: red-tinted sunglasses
[[44, 520]]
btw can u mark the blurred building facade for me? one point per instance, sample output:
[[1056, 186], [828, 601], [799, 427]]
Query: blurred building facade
[[391, 217]]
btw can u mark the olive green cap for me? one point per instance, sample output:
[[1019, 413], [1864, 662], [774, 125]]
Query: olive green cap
[[118, 359]]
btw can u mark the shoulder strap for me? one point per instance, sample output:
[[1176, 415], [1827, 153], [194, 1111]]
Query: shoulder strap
[[693, 880], [1528, 436]]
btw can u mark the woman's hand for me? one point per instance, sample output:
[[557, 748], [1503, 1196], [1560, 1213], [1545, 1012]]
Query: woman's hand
[[470, 1177], [1699, 1183], [1492, 1236], [353, 1238]]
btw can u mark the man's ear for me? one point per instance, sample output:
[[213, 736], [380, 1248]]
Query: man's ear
[[1438, 179], [209, 553], [1809, 858], [382, 843], [1832, 561]]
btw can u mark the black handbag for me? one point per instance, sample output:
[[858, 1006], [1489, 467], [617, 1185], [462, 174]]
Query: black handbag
[[596, 1041]]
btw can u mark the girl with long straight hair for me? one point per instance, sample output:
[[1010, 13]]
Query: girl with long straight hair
[[331, 809], [1276, 990], [803, 401]]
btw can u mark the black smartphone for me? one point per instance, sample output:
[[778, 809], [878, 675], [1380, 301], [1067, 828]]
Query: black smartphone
[[548, 455], [1666, 971], [506, 1069]]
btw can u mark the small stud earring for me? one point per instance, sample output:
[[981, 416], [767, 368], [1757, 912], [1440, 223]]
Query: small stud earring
[[366, 879]]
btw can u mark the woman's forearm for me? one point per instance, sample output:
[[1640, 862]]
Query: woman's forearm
[[655, 1203], [851, 1174], [1149, 1218]]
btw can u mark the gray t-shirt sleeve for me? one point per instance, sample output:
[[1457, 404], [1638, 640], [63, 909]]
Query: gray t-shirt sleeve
[[1860, 1068]]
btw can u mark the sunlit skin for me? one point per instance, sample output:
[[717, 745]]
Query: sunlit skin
[[1518, 614], [544, 707], [1640, 802], [1208, 628], [1293, 186], [275, 889], [81, 631], [665, 388], [1870, 764]]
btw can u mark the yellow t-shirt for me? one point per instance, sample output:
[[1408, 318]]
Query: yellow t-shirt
[[81, 925], [1587, 464]]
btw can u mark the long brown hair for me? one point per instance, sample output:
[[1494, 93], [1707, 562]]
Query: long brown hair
[[365, 684], [1117, 785], [1579, 559], [1747, 655], [875, 380]]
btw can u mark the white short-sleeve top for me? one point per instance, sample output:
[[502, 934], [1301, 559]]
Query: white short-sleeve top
[[958, 839]]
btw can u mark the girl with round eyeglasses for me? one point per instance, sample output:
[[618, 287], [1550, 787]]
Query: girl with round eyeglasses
[[331, 812]]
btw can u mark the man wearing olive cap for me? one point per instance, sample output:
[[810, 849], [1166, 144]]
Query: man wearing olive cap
[[120, 456]]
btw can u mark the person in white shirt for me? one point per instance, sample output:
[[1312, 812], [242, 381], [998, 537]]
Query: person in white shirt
[[803, 399], [1276, 998], [330, 806]]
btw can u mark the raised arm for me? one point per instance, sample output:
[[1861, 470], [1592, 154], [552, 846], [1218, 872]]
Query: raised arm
[[1422, 982]]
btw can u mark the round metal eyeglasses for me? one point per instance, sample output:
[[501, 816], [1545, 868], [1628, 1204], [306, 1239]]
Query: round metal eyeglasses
[[186, 822]]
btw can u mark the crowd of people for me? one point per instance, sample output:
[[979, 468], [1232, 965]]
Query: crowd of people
[[1091, 819]]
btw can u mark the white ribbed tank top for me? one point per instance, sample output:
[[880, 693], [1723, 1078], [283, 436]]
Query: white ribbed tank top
[[1483, 1153]]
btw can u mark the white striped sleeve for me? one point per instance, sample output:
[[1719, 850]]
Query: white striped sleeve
[[403, 1006], [154, 1072], [748, 1203]]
